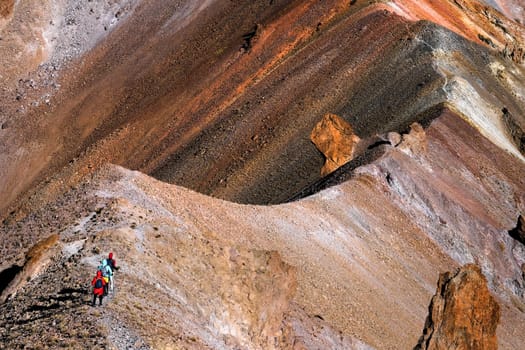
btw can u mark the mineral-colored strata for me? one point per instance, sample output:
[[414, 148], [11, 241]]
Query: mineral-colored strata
[[162, 130]]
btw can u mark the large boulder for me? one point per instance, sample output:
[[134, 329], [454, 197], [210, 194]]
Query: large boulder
[[463, 314], [36, 261], [335, 138]]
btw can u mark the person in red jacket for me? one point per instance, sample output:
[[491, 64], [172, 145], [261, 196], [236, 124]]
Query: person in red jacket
[[98, 284]]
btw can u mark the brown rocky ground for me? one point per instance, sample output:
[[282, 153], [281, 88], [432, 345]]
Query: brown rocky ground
[[221, 98], [199, 272]]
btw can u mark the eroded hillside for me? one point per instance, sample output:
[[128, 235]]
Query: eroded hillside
[[229, 92], [221, 98]]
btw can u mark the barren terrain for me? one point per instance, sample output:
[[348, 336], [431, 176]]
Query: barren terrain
[[177, 135]]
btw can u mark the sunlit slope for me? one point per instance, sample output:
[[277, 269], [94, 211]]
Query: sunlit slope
[[221, 97], [366, 253]]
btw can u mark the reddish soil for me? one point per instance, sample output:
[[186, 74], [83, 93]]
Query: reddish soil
[[220, 97], [235, 112], [354, 256]]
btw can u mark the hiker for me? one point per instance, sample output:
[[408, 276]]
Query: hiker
[[106, 272], [113, 265], [99, 285], [111, 262]]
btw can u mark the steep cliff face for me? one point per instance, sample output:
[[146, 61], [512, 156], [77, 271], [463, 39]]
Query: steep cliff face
[[221, 98], [236, 108]]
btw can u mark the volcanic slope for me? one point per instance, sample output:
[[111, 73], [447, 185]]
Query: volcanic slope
[[226, 109], [235, 109], [361, 258]]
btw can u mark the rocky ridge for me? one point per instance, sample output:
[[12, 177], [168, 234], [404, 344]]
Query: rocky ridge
[[108, 99], [182, 253], [434, 90]]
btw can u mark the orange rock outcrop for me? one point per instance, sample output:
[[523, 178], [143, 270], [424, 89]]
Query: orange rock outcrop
[[335, 138], [463, 313]]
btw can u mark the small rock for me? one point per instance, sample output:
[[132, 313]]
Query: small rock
[[335, 138], [415, 141], [394, 138]]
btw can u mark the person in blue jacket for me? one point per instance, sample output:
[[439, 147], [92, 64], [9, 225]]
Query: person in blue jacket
[[107, 274]]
